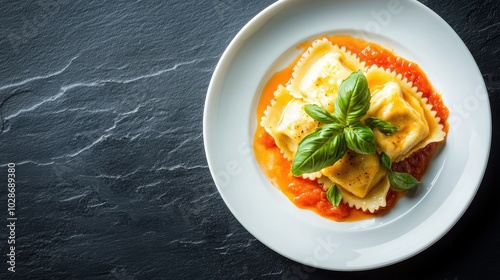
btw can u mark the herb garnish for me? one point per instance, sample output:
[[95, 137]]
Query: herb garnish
[[334, 195], [400, 181], [385, 127], [342, 130]]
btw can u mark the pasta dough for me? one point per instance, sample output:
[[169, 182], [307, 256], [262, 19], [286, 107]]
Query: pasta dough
[[376, 198], [396, 101], [287, 122], [319, 73], [355, 172]]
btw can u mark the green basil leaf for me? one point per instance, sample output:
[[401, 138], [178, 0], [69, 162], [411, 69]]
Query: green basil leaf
[[360, 139], [319, 114], [353, 100], [334, 195], [402, 181], [385, 127], [320, 149], [385, 161]]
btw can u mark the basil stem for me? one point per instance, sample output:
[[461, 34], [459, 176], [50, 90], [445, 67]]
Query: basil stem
[[319, 114], [334, 195], [385, 127], [353, 100], [320, 149]]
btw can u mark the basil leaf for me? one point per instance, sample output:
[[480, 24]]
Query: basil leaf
[[360, 139], [320, 149], [319, 114], [402, 181], [385, 161], [334, 195], [385, 127], [353, 100]]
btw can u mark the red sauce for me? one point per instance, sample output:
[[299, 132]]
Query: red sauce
[[308, 194]]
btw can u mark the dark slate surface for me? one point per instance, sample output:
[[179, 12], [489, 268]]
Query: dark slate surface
[[101, 111]]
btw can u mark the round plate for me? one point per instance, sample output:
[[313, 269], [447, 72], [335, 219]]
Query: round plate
[[268, 43]]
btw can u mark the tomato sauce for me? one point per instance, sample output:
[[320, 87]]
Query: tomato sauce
[[308, 194]]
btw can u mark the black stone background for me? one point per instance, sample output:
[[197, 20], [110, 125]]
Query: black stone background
[[101, 106]]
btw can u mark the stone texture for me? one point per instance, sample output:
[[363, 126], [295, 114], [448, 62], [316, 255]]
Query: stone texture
[[101, 108]]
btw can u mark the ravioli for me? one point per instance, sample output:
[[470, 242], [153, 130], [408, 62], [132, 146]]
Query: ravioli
[[373, 201], [396, 101], [287, 122], [320, 71], [356, 173]]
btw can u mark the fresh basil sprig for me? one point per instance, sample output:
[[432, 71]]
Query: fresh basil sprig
[[400, 181], [385, 127], [342, 130], [334, 195], [353, 100], [319, 114]]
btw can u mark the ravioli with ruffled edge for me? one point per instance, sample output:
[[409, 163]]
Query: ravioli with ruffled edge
[[315, 80]]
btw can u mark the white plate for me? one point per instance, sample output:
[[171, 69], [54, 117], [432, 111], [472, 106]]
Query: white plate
[[264, 46]]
